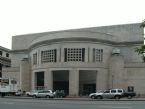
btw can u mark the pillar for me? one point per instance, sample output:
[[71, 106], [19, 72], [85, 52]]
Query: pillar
[[48, 79], [74, 82], [58, 55], [33, 82], [86, 55]]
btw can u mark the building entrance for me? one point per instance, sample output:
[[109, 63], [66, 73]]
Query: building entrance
[[39, 80], [61, 81], [89, 88], [87, 81]]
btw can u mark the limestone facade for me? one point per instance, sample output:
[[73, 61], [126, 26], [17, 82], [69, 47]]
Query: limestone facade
[[79, 61]]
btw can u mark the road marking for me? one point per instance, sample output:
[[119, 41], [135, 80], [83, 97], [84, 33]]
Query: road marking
[[115, 107], [6, 103], [118, 103]]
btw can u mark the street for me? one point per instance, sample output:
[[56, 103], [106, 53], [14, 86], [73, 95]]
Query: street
[[6, 103]]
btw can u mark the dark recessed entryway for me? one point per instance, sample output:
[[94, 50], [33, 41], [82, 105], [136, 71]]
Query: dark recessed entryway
[[61, 80], [39, 80], [87, 82]]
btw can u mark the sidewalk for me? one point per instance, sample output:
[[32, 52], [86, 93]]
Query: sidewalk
[[79, 98]]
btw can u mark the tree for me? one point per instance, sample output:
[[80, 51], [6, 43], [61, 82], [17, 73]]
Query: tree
[[141, 50], [143, 23]]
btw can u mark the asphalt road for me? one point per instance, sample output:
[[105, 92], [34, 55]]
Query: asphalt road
[[6, 103]]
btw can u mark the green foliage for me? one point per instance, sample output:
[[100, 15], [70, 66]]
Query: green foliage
[[141, 50], [143, 23]]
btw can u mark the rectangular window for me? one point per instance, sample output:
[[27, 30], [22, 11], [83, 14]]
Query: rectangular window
[[55, 52], [7, 54], [49, 56], [98, 55], [74, 54], [83, 54], [1, 53], [35, 59], [65, 54]]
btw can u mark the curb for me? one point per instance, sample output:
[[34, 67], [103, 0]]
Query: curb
[[77, 99]]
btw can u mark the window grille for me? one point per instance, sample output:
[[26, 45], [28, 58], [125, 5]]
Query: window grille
[[98, 55], [48, 56], [74, 54], [34, 58]]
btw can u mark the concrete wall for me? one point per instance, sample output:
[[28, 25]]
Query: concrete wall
[[22, 42], [16, 58], [129, 54], [116, 71], [124, 32], [136, 76], [122, 75]]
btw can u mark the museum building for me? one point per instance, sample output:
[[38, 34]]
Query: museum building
[[79, 61]]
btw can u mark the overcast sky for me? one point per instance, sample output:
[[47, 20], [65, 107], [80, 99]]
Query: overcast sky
[[32, 16]]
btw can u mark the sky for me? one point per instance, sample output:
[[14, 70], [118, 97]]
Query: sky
[[33, 16]]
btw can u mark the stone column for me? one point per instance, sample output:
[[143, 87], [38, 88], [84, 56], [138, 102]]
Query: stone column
[[74, 82], [90, 55], [48, 79], [86, 55], [25, 75], [58, 56], [62, 56], [33, 82], [38, 58]]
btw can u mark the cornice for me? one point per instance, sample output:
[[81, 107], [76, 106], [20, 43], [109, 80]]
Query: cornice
[[76, 40], [85, 40]]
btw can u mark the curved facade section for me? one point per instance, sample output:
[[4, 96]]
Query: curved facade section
[[76, 60], [70, 52], [74, 36]]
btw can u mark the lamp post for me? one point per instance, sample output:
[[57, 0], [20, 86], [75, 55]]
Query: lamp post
[[112, 81]]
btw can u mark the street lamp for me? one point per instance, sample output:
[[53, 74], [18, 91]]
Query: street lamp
[[112, 81]]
